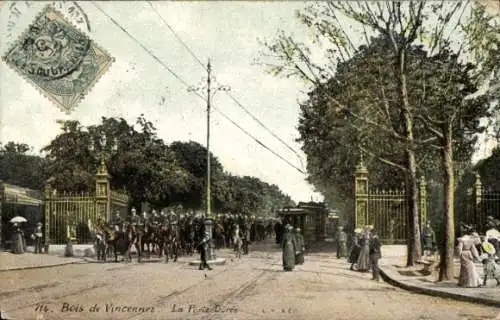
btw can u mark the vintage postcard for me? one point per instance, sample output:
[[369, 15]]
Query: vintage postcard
[[249, 160]]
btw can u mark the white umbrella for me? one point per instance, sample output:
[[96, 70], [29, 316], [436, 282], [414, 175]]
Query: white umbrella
[[18, 219], [493, 233]]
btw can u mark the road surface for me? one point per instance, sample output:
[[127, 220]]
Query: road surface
[[252, 288]]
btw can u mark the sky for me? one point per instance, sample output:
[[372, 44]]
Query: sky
[[226, 32]]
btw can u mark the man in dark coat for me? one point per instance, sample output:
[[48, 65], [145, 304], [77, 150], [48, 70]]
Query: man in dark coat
[[38, 235], [355, 249], [428, 239], [203, 248], [278, 230], [375, 255]]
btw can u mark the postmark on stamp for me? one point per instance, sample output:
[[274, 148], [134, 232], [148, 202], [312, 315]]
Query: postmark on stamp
[[58, 59]]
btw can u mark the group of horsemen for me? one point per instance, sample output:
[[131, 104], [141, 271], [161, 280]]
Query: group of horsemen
[[170, 236]]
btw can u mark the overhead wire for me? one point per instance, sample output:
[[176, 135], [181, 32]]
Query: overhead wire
[[231, 96], [188, 86]]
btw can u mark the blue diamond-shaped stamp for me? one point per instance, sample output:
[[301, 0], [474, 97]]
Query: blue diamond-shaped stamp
[[58, 59]]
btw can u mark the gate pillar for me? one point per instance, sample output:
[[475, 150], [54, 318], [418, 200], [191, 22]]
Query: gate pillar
[[103, 191], [361, 196], [422, 191], [47, 193], [479, 219]]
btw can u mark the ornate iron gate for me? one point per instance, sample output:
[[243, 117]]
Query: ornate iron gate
[[72, 216], [387, 211]]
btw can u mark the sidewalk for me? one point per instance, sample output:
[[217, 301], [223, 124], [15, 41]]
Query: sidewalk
[[417, 279], [9, 261]]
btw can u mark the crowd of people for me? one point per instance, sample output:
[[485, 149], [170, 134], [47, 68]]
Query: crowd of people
[[172, 235], [365, 250], [292, 246]]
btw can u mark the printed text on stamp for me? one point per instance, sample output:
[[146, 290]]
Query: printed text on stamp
[[58, 59]]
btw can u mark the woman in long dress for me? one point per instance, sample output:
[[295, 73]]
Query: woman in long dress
[[467, 252], [299, 253], [364, 254], [18, 240], [288, 245]]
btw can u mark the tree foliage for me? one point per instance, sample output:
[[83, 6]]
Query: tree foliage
[[139, 163]]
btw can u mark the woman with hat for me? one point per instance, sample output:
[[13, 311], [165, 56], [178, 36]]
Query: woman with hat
[[467, 252], [491, 269], [355, 248], [364, 253], [289, 247], [18, 240]]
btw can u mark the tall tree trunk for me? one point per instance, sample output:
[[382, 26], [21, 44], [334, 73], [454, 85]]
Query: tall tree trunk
[[414, 245], [447, 266]]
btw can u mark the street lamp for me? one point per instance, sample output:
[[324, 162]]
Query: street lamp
[[105, 148]]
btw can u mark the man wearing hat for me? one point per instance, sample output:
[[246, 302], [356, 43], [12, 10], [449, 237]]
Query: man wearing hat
[[355, 248], [37, 235], [203, 247]]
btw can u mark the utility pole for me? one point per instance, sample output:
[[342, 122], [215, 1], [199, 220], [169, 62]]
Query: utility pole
[[210, 92]]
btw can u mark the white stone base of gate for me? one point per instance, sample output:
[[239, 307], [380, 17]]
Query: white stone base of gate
[[216, 262]]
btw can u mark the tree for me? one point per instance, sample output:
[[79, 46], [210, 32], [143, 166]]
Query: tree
[[404, 24], [19, 167]]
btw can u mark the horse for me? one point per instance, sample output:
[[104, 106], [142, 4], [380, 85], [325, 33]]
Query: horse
[[121, 241]]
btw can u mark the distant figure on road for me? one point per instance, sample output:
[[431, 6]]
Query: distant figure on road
[[355, 248], [364, 253], [428, 239], [300, 249], [203, 247], [375, 255], [341, 240], [289, 247], [278, 230], [238, 243]]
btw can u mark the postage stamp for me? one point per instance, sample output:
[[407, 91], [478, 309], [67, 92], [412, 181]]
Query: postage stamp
[[58, 59]]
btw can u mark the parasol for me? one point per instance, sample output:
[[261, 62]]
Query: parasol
[[18, 219], [488, 248], [493, 233]]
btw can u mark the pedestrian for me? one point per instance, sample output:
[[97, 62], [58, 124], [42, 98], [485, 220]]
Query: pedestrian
[[237, 242], [355, 248], [341, 240], [428, 239], [467, 252], [491, 269], [364, 253], [38, 237], [375, 255], [300, 249], [278, 230], [288, 245], [203, 248], [18, 239]]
